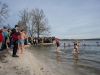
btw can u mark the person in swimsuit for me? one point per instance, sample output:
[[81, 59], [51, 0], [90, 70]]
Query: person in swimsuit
[[65, 45], [69, 44], [76, 44], [21, 42], [58, 45]]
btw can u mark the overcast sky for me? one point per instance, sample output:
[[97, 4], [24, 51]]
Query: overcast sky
[[71, 19]]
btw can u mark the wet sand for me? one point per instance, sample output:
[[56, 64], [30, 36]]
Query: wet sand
[[52, 65], [25, 64]]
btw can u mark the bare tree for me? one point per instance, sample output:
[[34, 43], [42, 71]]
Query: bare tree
[[35, 21], [4, 10], [30, 25], [20, 25], [24, 20], [39, 22], [8, 26]]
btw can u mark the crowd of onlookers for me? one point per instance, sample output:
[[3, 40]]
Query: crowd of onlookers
[[12, 37], [35, 40], [5, 38], [9, 37]]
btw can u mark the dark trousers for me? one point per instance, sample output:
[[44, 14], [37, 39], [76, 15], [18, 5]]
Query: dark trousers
[[4, 43], [3, 46], [15, 48], [25, 42], [10, 43]]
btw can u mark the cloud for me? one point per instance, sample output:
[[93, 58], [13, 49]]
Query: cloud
[[67, 18]]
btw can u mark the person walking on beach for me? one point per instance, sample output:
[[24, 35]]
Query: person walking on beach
[[15, 36], [58, 45], [76, 44], [21, 42]]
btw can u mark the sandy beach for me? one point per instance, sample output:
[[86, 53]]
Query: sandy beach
[[25, 64], [43, 60]]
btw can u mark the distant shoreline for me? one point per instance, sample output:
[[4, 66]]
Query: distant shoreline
[[77, 39]]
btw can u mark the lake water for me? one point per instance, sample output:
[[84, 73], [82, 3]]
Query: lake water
[[87, 62]]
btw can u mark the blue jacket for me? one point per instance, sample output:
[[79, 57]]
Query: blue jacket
[[5, 34]]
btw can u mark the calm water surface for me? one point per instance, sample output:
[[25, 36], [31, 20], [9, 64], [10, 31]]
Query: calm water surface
[[87, 62]]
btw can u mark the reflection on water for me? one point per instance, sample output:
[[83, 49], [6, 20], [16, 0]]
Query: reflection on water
[[75, 58], [75, 63], [58, 56]]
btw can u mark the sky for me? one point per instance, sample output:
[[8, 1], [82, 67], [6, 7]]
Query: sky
[[68, 19]]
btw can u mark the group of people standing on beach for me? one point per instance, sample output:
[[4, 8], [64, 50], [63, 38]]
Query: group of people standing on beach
[[40, 40], [13, 37], [5, 41]]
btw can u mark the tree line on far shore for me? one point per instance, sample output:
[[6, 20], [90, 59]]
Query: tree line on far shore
[[34, 22]]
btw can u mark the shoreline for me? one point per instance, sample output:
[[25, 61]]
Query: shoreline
[[67, 63], [25, 64], [47, 62]]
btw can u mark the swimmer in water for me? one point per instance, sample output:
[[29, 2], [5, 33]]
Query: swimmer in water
[[58, 45], [68, 44], [98, 45], [64, 45], [76, 44], [84, 45]]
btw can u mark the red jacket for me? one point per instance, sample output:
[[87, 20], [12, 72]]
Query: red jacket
[[1, 36], [15, 36]]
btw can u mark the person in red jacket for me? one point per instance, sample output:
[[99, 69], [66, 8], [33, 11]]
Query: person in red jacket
[[1, 38], [15, 35]]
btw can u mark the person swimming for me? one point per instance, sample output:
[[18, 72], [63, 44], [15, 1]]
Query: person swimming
[[84, 45]]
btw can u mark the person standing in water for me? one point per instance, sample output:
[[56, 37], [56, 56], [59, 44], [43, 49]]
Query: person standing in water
[[64, 45], [68, 44], [58, 45], [76, 44]]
